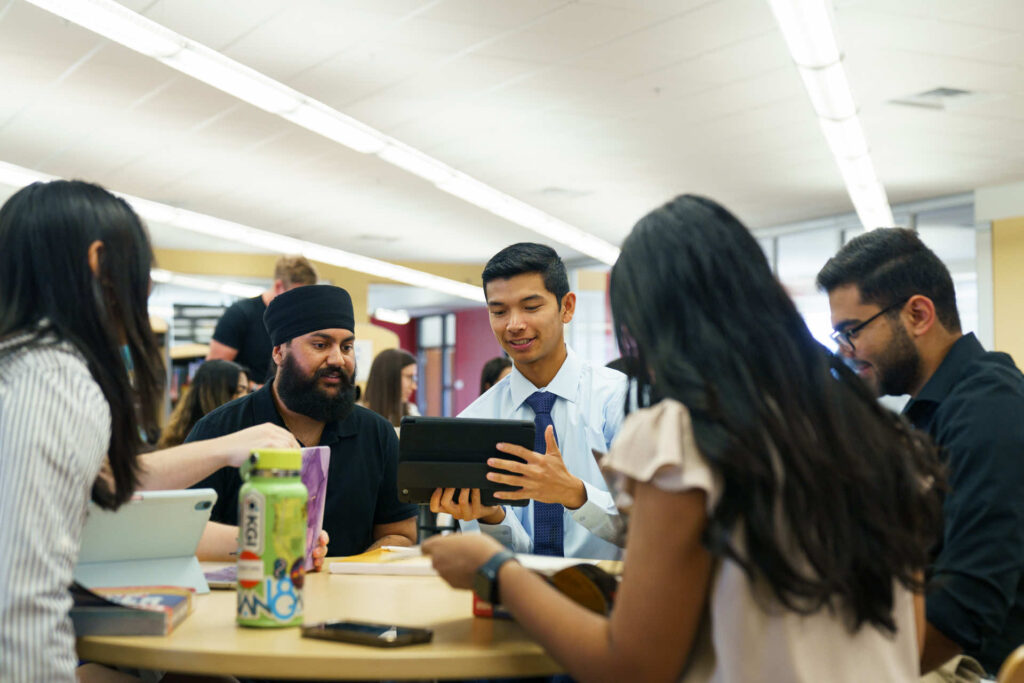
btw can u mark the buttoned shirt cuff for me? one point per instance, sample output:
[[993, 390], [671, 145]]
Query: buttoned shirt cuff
[[509, 532], [600, 517]]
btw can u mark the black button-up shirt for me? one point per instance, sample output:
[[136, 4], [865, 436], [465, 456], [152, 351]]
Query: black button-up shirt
[[362, 487], [973, 407]]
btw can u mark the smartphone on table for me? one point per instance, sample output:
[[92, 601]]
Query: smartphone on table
[[362, 633]]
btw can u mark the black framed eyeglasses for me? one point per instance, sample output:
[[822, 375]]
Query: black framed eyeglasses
[[846, 337]]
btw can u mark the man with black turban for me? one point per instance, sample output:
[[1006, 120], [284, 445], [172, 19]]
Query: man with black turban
[[312, 395]]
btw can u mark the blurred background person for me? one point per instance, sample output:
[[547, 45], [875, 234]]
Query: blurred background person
[[391, 385], [216, 382], [240, 335], [493, 371]]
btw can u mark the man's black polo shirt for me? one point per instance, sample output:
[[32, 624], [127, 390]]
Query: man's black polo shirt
[[973, 406], [361, 480]]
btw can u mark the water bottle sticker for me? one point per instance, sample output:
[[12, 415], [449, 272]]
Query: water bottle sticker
[[252, 533], [282, 602], [250, 570]]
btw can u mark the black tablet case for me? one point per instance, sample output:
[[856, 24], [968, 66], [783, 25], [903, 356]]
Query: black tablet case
[[448, 452]]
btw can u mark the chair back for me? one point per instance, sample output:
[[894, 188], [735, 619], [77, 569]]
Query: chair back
[[1012, 670]]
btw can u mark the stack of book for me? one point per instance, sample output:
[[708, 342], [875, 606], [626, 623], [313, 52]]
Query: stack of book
[[129, 611]]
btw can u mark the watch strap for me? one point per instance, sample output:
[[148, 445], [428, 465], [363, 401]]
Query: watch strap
[[488, 572]]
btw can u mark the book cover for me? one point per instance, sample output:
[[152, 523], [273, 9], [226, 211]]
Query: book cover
[[129, 610], [590, 583]]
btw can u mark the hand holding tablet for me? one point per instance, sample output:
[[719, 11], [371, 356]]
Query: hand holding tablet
[[453, 453]]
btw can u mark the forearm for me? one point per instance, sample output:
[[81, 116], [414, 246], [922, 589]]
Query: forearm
[[219, 543], [577, 638], [392, 539], [938, 649], [181, 466]]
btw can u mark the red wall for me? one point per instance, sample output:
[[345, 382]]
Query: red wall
[[406, 333], [474, 345]]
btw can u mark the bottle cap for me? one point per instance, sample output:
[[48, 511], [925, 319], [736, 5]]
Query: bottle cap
[[278, 459]]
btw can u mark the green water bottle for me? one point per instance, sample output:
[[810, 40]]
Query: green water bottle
[[271, 539]]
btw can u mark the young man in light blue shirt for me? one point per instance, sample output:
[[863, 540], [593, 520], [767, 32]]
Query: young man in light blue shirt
[[577, 407]]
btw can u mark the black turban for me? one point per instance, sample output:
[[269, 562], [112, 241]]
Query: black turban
[[307, 309]]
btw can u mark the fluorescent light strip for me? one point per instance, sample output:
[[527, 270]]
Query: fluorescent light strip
[[807, 29], [400, 317], [134, 31], [205, 284], [192, 221]]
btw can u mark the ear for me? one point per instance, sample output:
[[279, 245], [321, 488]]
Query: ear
[[95, 253], [568, 307], [918, 315], [279, 287], [278, 354]]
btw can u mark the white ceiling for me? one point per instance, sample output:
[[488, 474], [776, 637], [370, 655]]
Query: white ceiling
[[594, 111]]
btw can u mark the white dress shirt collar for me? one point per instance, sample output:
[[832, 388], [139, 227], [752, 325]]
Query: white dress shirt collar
[[565, 384]]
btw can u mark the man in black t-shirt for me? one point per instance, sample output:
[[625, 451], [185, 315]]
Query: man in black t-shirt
[[312, 396], [240, 335], [894, 312]]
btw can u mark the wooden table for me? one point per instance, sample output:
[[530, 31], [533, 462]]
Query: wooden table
[[209, 642]]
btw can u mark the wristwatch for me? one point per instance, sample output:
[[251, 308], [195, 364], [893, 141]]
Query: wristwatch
[[485, 582]]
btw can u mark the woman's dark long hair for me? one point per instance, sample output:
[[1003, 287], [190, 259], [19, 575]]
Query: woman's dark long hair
[[492, 371], [384, 385], [46, 230], [215, 383], [835, 496]]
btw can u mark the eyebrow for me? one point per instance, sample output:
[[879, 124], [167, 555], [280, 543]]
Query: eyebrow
[[524, 300], [327, 337], [844, 324]]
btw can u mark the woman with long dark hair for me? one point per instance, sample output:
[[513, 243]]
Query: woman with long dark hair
[[391, 384], [781, 519], [215, 383], [80, 383], [493, 371]]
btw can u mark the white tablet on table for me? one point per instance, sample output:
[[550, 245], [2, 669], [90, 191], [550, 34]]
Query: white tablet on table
[[149, 541]]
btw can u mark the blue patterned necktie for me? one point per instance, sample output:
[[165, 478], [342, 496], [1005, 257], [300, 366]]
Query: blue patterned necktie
[[547, 517]]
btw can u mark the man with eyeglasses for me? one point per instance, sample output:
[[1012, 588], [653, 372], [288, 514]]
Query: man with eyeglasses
[[896, 323]]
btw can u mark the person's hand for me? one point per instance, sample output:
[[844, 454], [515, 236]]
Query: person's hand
[[320, 551], [542, 477], [239, 445], [457, 557], [465, 506]]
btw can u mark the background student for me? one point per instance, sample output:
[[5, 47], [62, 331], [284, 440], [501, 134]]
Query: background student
[[391, 384], [216, 382], [780, 518], [240, 334], [493, 371]]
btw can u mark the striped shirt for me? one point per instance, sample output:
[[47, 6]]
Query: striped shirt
[[54, 434]]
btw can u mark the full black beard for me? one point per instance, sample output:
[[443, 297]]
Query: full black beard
[[900, 367], [303, 396]]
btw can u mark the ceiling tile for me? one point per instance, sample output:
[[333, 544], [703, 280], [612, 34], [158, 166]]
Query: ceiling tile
[[493, 14], [217, 24]]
